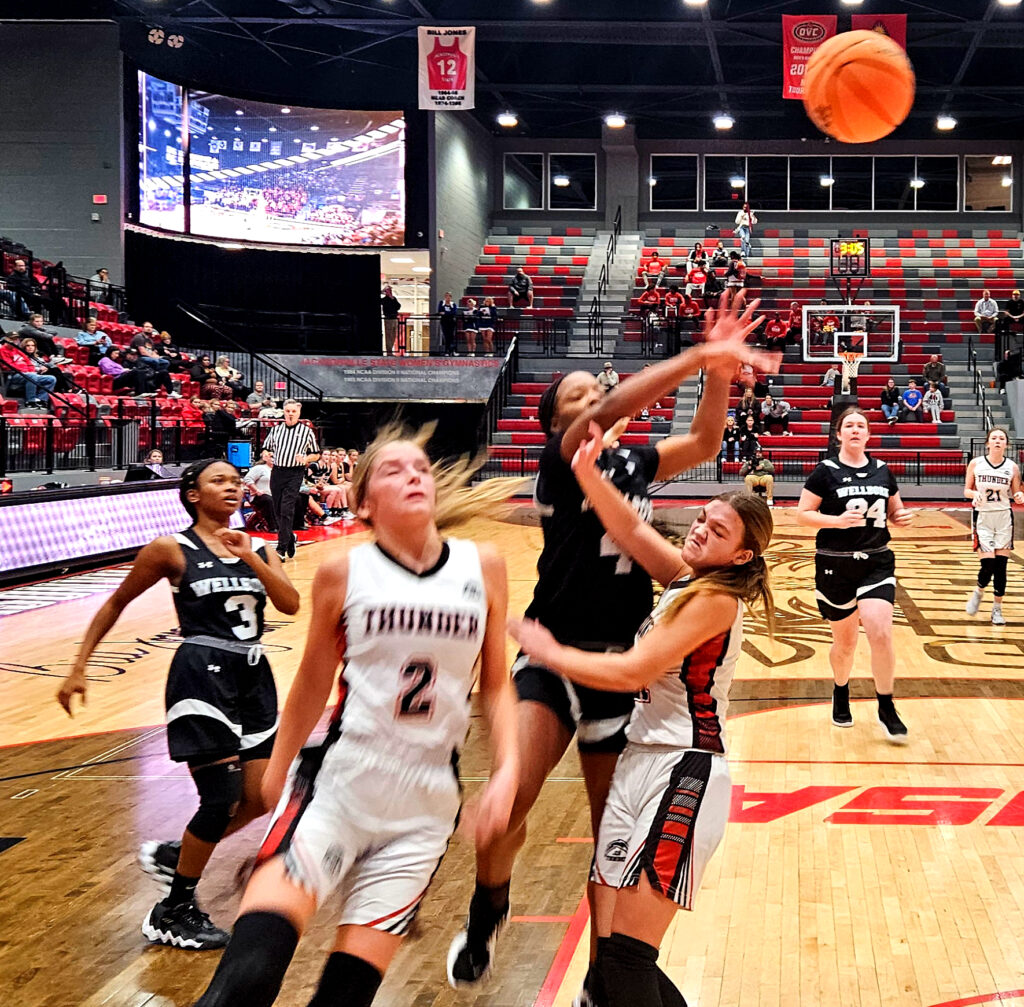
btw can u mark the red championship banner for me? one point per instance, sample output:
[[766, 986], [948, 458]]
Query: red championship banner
[[893, 25], [801, 35], [447, 68]]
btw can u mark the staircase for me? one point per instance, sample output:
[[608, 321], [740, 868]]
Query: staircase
[[619, 289]]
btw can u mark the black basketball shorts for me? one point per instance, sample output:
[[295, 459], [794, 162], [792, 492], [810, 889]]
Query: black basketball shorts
[[841, 581], [218, 704]]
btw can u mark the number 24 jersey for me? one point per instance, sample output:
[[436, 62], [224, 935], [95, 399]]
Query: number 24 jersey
[[866, 489]]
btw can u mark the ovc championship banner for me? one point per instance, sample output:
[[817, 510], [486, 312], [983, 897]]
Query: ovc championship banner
[[447, 68], [801, 35], [893, 25]]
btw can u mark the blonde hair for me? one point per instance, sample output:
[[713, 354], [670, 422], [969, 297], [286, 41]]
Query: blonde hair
[[456, 501], [750, 581]]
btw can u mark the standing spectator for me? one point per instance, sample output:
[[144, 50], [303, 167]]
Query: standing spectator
[[775, 411], [487, 320], [933, 402], [1012, 314], [44, 366], [230, 377], [935, 370], [720, 256], [123, 377], [295, 447], [775, 333], [654, 270], [985, 313], [257, 396], [697, 256], [45, 338], [748, 405], [795, 323], [95, 339], [749, 440], [22, 290], [891, 401], [99, 286], [389, 308], [759, 475], [730, 440], [695, 280], [469, 325], [745, 221], [22, 374], [912, 400], [520, 289], [608, 378], [256, 485], [449, 312]]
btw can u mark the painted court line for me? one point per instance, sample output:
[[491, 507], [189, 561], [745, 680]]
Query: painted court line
[[564, 955]]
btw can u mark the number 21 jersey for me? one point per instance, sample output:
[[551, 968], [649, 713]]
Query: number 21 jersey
[[867, 490]]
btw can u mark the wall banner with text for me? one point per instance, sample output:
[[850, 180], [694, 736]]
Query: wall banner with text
[[801, 35], [447, 68], [893, 25]]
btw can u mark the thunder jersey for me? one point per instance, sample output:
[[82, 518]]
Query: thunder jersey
[[217, 596], [686, 707], [588, 590], [411, 645], [866, 489], [994, 484]]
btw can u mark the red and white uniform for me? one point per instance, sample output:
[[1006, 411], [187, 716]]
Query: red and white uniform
[[673, 302], [446, 67]]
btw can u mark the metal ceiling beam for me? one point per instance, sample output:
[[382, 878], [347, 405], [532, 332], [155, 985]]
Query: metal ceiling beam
[[716, 61], [968, 57], [736, 89]]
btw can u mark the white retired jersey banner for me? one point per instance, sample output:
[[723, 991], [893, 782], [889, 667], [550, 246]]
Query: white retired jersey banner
[[447, 68]]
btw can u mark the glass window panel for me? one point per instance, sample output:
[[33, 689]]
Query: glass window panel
[[524, 181], [984, 188], [940, 189], [674, 182], [577, 174], [719, 174], [892, 183], [161, 190], [852, 188], [805, 189], [766, 183]]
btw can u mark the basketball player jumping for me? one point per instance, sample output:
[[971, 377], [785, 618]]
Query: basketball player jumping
[[220, 695], [671, 791], [850, 498], [992, 480], [591, 594], [371, 809]]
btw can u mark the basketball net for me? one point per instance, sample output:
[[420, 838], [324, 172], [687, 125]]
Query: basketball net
[[851, 361]]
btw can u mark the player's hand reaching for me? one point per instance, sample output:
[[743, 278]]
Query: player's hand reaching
[[850, 519], [902, 516], [535, 639], [237, 542], [494, 808], [614, 432], [584, 462], [72, 685]]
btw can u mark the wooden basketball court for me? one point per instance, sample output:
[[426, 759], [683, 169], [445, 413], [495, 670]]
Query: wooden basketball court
[[853, 872]]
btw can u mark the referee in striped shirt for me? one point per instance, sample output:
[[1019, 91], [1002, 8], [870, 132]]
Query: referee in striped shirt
[[294, 446]]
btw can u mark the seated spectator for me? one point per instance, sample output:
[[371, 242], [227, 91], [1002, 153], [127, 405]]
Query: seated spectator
[[654, 270], [222, 427], [759, 475], [99, 286], [697, 257], [749, 440], [748, 406], [165, 348], [608, 378], [720, 256], [270, 410], [520, 289], [44, 366], [829, 377], [146, 337], [202, 370], [986, 311], [695, 280], [21, 291], [795, 323], [672, 305], [155, 377], [134, 378], [230, 377], [154, 457], [775, 333], [730, 440], [256, 486], [336, 488], [933, 402], [691, 314], [22, 376], [891, 401], [257, 396], [712, 289], [775, 412], [913, 403], [45, 338], [1012, 314], [95, 339], [650, 299], [736, 274], [353, 461], [935, 370]]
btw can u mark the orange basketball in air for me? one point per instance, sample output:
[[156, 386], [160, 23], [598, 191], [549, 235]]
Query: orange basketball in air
[[858, 86]]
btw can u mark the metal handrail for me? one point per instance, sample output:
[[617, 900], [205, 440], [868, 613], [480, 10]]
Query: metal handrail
[[498, 398]]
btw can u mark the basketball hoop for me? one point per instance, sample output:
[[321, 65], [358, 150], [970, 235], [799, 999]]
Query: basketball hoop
[[851, 361]]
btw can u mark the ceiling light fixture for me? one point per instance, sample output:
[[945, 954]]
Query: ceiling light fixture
[[1006, 181], [826, 181], [239, 111], [1009, 3], [723, 121], [695, 3], [652, 181], [945, 123], [560, 180], [917, 183], [273, 129], [313, 129], [507, 119], [421, 269], [1001, 159], [737, 181], [402, 259], [286, 111], [615, 120]]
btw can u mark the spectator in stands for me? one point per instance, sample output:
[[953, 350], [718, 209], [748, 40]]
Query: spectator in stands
[[44, 366], [156, 377], [469, 325], [759, 475], [22, 376], [712, 289], [654, 270], [335, 497], [935, 370], [389, 309], [828, 379], [672, 305], [256, 485], [353, 460], [650, 299], [745, 221], [153, 457], [257, 396], [933, 402], [749, 441], [45, 338], [697, 257], [720, 256], [22, 291], [230, 377], [736, 275], [487, 320], [748, 406], [986, 311], [795, 323], [99, 286], [520, 289], [608, 378], [692, 315], [890, 401], [146, 336], [730, 440], [202, 370], [775, 333], [695, 280], [270, 410], [775, 411], [1009, 368], [134, 378], [165, 348], [222, 427], [449, 312], [1012, 314], [93, 337], [912, 400]]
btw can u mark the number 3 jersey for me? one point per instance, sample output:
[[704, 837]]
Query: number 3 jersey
[[866, 489], [412, 641]]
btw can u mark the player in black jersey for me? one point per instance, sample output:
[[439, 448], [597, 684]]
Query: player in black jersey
[[590, 593], [220, 695], [850, 498]]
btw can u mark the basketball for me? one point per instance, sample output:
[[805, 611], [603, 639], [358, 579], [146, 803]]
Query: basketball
[[858, 86]]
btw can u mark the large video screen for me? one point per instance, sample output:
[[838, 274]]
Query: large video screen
[[246, 170]]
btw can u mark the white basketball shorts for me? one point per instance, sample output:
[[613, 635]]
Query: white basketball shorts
[[993, 529]]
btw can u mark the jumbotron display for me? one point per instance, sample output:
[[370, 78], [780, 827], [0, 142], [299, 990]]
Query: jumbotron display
[[253, 171]]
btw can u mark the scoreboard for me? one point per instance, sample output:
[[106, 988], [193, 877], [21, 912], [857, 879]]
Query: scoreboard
[[850, 257]]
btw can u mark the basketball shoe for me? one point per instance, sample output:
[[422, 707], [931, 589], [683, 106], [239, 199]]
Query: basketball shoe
[[895, 729], [974, 602], [185, 926], [471, 954], [841, 715]]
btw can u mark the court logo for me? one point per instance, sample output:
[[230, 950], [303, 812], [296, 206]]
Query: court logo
[[809, 31], [616, 850]]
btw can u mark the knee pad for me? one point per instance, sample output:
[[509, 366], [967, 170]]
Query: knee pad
[[999, 575], [347, 980], [220, 790], [986, 571]]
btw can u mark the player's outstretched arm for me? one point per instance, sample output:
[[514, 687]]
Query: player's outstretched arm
[[280, 590], [658, 652], [161, 558], [631, 533], [314, 679]]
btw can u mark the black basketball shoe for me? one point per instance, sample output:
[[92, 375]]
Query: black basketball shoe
[[841, 715], [185, 926], [471, 953], [160, 861], [895, 729]]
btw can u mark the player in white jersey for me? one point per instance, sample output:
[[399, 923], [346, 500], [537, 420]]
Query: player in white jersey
[[992, 485], [371, 809], [671, 790]]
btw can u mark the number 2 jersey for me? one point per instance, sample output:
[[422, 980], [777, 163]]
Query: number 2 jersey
[[587, 590], [866, 489]]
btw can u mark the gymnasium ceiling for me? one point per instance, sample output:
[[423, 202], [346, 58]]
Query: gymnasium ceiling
[[562, 64]]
